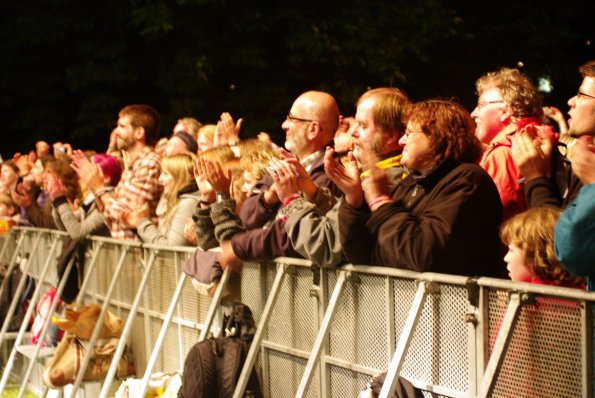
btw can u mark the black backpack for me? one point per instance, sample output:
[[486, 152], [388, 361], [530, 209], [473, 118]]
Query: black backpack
[[212, 367]]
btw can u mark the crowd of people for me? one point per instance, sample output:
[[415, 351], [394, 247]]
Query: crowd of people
[[506, 190]]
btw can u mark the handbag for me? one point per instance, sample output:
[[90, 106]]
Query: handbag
[[67, 360]]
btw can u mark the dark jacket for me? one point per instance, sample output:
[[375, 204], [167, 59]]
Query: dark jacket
[[558, 190], [266, 243], [447, 222]]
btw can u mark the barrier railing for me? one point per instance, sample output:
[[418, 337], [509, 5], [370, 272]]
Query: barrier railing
[[324, 333]]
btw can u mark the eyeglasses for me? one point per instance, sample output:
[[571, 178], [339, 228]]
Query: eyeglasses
[[408, 134], [294, 119], [580, 94], [481, 104]]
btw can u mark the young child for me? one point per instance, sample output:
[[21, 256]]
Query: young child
[[531, 257]]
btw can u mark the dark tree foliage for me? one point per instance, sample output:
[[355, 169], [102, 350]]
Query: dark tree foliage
[[68, 66]]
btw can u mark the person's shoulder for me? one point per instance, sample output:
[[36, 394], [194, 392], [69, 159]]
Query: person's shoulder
[[471, 171]]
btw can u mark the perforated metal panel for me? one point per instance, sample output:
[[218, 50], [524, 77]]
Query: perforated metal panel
[[285, 373], [294, 321], [359, 332], [438, 352], [544, 355]]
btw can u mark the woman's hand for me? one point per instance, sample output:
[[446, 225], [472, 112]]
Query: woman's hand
[[131, 218]]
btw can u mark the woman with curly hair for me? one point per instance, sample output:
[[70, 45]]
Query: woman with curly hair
[[442, 217]]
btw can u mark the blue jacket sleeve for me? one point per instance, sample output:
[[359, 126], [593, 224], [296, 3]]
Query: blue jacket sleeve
[[574, 236]]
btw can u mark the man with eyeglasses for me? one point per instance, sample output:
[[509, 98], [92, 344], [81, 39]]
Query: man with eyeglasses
[[507, 103], [309, 127], [574, 236], [313, 225], [551, 178]]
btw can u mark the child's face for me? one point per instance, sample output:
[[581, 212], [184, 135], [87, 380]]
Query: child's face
[[515, 264]]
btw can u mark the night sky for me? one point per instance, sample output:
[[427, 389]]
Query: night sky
[[69, 66]]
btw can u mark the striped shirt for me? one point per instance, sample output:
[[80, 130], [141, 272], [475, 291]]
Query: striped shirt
[[139, 184]]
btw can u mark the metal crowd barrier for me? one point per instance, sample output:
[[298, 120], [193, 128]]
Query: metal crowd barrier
[[325, 333]]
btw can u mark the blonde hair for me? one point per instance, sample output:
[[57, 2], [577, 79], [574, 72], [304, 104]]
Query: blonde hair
[[208, 130], [192, 125], [533, 232], [220, 154], [256, 162], [181, 168]]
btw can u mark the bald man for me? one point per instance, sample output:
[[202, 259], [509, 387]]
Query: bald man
[[309, 127]]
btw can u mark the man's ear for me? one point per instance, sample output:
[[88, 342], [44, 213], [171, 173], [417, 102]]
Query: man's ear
[[391, 139], [314, 131], [139, 134]]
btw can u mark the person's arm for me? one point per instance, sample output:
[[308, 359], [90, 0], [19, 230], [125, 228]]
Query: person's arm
[[225, 220], [574, 235], [456, 221], [174, 236], [41, 217], [261, 206], [314, 233], [263, 243]]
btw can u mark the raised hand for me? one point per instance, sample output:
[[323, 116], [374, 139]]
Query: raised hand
[[207, 193], [583, 161], [532, 152], [21, 197], [227, 131], [89, 173], [347, 179], [131, 218], [285, 176], [304, 179], [214, 174], [375, 185], [55, 187]]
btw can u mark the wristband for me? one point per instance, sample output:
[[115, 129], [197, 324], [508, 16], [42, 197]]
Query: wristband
[[291, 199], [378, 200]]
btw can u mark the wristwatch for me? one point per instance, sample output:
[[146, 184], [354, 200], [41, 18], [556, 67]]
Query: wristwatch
[[221, 196]]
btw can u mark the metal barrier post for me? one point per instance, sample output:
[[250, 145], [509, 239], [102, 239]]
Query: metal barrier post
[[7, 241], [258, 336], [12, 263], [28, 315], [322, 335], [17, 296], [214, 305], [47, 322], [394, 369], [500, 346], [170, 312], [127, 328], [99, 323], [89, 272]]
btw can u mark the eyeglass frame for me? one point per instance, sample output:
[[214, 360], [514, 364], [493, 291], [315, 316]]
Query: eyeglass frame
[[293, 119], [408, 133], [483, 104], [580, 94]]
